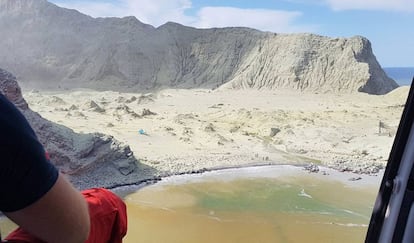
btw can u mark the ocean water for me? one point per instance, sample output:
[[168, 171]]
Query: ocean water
[[282, 208], [401, 75]]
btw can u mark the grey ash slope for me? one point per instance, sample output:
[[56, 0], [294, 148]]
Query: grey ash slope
[[52, 47], [89, 160]]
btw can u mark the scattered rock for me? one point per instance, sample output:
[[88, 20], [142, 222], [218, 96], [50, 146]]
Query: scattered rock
[[222, 140], [209, 128], [312, 168], [146, 98], [217, 106], [73, 108], [54, 100], [130, 100], [274, 131], [92, 106], [147, 112], [123, 109], [120, 99], [187, 131], [234, 129]]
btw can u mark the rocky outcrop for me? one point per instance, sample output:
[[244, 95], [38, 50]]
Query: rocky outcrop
[[89, 160], [51, 47], [314, 63]]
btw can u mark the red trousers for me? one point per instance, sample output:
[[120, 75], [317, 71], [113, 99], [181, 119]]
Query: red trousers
[[107, 215]]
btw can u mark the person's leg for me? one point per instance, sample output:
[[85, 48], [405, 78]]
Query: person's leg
[[107, 214]]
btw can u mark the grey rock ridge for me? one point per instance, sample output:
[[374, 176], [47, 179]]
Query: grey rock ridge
[[51, 47], [89, 160]]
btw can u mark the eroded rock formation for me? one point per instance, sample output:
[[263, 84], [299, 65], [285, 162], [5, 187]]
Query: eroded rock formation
[[51, 47], [88, 159]]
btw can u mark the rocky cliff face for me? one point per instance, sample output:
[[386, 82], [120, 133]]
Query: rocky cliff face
[[311, 62], [51, 47], [90, 160]]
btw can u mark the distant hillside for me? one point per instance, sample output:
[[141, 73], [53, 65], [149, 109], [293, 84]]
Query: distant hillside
[[402, 75], [51, 47]]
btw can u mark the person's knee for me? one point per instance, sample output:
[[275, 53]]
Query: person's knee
[[108, 215]]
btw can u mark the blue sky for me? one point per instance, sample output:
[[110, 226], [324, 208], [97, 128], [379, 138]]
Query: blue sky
[[388, 24]]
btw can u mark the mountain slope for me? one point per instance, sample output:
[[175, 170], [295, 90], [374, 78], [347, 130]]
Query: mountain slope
[[51, 47]]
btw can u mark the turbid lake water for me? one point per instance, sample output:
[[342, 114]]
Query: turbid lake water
[[263, 205]]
